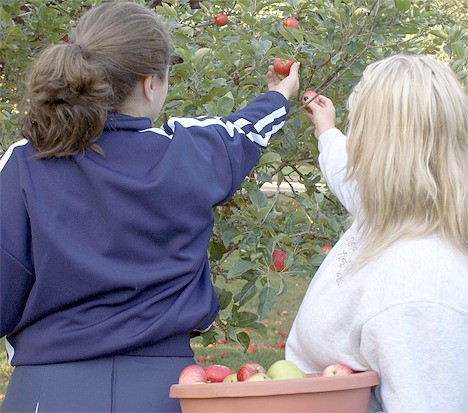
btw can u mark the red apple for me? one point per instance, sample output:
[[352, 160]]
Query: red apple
[[216, 373], [310, 94], [291, 22], [336, 370], [282, 66], [249, 369], [281, 344], [326, 249], [278, 260], [221, 19], [192, 374]]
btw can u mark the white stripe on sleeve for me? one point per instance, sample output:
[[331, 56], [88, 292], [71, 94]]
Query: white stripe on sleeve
[[231, 128], [9, 151]]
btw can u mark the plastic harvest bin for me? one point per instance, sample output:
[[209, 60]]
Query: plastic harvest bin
[[337, 394]]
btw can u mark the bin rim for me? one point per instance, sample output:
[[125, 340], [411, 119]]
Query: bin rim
[[313, 383]]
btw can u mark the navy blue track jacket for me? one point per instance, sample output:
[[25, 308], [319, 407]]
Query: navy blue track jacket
[[107, 255]]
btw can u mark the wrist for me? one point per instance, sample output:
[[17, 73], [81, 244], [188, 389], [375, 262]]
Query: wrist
[[320, 129]]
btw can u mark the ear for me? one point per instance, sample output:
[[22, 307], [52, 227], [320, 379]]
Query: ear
[[149, 87]]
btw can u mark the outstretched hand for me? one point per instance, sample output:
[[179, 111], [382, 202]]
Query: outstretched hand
[[288, 86], [322, 114]]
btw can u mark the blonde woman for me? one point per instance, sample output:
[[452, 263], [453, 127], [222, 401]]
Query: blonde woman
[[392, 295]]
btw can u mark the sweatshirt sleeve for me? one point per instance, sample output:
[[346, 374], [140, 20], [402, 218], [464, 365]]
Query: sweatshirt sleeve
[[16, 273], [333, 161], [420, 351]]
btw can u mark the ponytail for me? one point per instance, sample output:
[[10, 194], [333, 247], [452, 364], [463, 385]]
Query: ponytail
[[68, 100]]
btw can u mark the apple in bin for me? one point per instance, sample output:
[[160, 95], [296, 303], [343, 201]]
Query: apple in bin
[[216, 373], [336, 369], [192, 374], [285, 369], [231, 378], [249, 369], [258, 377]]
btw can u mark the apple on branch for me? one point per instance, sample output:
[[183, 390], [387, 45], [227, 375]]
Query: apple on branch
[[221, 19], [326, 249], [279, 258], [192, 374], [291, 22], [216, 373], [249, 369], [336, 369]]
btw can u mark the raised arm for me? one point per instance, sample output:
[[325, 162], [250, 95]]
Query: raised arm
[[333, 157]]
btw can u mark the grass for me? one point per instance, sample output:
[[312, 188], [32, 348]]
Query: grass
[[263, 349]]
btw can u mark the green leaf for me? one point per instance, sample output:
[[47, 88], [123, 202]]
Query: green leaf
[[403, 5], [267, 301], [243, 339], [249, 290], [258, 198], [240, 267], [269, 157], [224, 297], [259, 328], [225, 105], [244, 318]]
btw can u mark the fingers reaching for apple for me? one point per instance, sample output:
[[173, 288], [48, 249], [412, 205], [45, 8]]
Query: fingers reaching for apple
[[289, 85], [321, 111]]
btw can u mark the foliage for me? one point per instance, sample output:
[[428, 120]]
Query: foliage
[[220, 69]]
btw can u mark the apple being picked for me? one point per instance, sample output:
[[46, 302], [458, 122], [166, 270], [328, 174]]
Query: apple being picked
[[216, 373], [221, 20], [282, 66], [285, 369], [309, 95], [249, 369], [336, 369], [192, 374], [291, 22]]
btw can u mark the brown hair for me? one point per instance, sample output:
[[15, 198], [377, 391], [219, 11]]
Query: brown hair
[[72, 87]]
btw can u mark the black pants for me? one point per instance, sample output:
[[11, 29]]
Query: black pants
[[114, 384]]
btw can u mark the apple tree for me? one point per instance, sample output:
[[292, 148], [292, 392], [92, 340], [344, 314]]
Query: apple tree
[[219, 68]]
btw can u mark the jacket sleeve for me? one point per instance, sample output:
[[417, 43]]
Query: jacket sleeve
[[230, 146], [333, 164], [420, 351], [16, 272]]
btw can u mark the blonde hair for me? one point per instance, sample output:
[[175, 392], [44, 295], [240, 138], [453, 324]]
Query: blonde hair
[[408, 152], [72, 87]]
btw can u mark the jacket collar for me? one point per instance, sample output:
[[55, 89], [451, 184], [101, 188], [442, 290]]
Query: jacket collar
[[118, 121]]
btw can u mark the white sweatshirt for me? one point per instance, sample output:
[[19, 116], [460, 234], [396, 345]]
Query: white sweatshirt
[[404, 314]]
